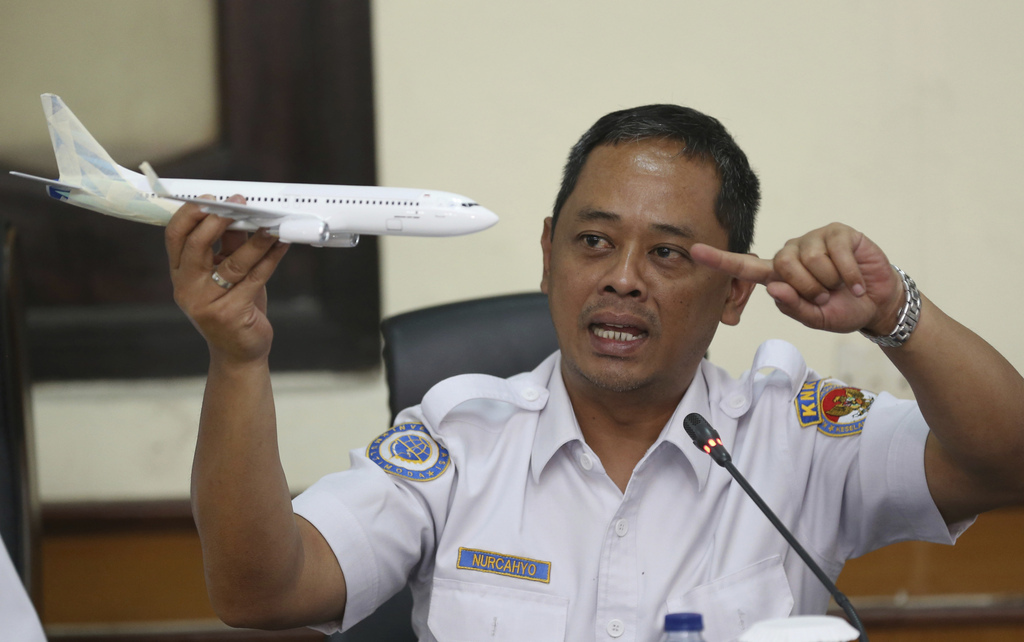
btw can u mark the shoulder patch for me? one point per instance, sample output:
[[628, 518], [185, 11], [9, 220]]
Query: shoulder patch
[[408, 450], [836, 409]]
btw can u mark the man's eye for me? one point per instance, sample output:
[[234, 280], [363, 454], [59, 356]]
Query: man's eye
[[593, 240], [665, 252]]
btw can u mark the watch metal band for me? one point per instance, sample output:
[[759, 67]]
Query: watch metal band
[[907, 319]]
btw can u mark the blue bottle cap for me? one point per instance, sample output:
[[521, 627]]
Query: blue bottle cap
[[684, 622]]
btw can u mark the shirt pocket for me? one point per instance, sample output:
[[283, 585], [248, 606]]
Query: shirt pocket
[[731, 604], [470, 612]]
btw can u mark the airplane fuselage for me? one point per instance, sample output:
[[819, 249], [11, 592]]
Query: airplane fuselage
[[355, 209], [320, 215]]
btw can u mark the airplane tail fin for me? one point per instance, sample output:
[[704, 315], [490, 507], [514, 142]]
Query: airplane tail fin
[[81, 160], [90, 178]]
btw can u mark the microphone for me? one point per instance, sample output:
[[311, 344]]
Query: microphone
[[706, 438]]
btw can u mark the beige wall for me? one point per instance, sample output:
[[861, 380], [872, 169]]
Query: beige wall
[[902, 119], [141, 74]]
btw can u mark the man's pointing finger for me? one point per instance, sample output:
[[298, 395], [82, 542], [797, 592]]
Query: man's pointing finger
[[746, 267]]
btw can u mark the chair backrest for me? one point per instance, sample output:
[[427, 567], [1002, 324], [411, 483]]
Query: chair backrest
[[500, 336], [19, 505]]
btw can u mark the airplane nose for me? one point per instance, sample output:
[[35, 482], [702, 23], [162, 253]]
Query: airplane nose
[[483, 218]]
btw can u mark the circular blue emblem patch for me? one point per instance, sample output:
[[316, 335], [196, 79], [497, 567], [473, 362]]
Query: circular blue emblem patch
[[411, 448], [408, 450]]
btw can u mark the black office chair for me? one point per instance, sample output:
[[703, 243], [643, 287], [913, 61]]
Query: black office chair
[[19, 505], [501, 336]]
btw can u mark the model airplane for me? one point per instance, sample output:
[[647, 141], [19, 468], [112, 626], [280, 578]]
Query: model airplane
[[319, 215]]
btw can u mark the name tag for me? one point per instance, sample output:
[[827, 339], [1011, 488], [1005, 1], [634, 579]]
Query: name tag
[[508, 565]]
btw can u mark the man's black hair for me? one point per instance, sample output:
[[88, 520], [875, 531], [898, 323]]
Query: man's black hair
[[703, 139]]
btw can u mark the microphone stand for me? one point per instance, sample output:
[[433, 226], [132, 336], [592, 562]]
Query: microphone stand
[[706, 438], [837, 595]]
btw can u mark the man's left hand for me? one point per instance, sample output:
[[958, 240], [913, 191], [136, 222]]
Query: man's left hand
[[833, 278]]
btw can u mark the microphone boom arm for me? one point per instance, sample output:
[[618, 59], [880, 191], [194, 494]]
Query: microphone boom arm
[[706, 438], [837, 595]]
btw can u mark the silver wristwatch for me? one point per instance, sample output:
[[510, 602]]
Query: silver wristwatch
[[907, 319]]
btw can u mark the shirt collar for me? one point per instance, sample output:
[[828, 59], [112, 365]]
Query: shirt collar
[[556, 425], [694, 400], [730, 400]]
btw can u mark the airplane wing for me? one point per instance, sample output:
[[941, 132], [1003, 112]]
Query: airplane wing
[[256, 216], [290, 227]]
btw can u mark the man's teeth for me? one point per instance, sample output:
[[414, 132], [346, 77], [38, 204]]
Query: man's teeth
[[615, 335]]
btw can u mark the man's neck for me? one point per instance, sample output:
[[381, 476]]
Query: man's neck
[[620, 427]]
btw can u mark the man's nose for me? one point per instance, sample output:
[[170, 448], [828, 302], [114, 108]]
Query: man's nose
[[624, 276]]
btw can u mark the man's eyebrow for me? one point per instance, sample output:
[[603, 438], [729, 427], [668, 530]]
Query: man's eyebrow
[[597, 215], [666, 228], [684, 231]]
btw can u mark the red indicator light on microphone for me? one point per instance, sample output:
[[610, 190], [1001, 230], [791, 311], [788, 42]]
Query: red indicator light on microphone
[[713, 442]]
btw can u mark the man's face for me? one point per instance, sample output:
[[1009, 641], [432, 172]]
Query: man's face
[[631, 309]]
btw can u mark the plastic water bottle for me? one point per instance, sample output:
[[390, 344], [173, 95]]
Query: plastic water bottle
[[683, 627]]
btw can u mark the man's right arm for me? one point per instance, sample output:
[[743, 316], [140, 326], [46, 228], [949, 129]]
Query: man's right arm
[[265, 567]]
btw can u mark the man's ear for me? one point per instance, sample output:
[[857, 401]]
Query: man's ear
[[739, 294], [545, 248]]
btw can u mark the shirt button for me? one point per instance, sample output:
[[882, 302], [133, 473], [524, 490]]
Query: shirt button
[[621, 527], [530, 394], [737, 401], [616, 628], [586, 461]]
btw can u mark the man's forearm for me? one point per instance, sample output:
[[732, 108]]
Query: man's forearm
[[970, 396], [240, 498]]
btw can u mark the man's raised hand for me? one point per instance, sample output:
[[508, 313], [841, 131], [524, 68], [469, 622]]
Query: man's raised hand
[[833, 278], [232, 318]]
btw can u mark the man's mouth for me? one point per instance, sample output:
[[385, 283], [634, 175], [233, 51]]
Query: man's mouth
[[615, 332]]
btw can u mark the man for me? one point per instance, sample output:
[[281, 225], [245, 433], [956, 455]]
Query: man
[[568, 503]]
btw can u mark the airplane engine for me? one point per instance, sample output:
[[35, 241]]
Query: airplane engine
[[306, 230]]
